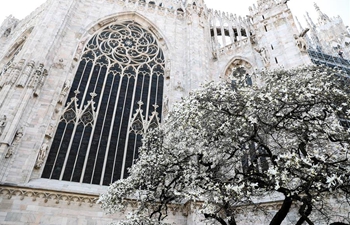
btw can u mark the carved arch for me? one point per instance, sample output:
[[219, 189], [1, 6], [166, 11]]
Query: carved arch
[[144, 22], [124, 16], [243, 66], [237, 62]]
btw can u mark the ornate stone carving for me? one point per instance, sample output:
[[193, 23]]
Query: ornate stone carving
[[26, 74], [264, 55], [300, 41], [42, 155], [179, 86], [2, 124], [50, 130], [15, 143], [7, 32], [5, 77], [16, 72], [47, 196], [80, 48], [166, 105], [8, 26], [15, 46], [64, 92], [82, 199], [253, 39], [37, 79]]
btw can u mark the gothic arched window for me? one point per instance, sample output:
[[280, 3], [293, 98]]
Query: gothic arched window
[[116, 95]]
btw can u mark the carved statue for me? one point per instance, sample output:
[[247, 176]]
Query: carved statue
[[253, 39], [36, 90], [36, 77], [2, 124], [80, 48], [4, 78], [26, 74], [64, 91], [264, 55], [16, 72], [8, 25], [50, 130], [301, 43], [42, 155], [189, 14], [7, 32], [166, 105], [15, 46], [15, 142]]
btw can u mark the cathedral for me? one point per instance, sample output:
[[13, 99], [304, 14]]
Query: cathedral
[[81, 81]]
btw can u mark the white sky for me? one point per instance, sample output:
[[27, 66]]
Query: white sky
[[22, 8]]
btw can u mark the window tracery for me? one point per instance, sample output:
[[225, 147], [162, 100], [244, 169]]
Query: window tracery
[[239, 72], [115, 96]]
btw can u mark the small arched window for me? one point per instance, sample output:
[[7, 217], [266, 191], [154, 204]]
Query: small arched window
[[239, 72], [115, 97]]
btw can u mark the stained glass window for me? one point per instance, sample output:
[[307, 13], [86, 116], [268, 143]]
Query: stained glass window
[[115, 96]]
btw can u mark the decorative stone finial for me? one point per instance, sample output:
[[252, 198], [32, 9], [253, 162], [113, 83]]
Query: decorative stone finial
[[322, 17]]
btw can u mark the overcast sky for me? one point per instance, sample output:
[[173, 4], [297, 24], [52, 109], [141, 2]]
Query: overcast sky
[[21, 8]]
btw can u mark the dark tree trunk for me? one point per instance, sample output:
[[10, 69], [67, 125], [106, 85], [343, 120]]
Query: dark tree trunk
[[305, 213], [282, 213], [231, 221]]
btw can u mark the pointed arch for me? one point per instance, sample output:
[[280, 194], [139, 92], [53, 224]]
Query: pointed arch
[[238, 62], [117, 88], [124, 16], [242, 66]]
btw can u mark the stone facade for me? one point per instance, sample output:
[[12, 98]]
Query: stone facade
[[39, 57]]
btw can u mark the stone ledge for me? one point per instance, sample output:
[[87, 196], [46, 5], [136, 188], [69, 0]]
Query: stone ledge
[[47, 195], [70, 197]]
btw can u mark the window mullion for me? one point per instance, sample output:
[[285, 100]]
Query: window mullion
[[93, 127], [58, 150], [120, 129], [104, 117], [84, 96], [69, 146], [149, 94], [112, 127], [78, 151], [129, 124], [109, 135]]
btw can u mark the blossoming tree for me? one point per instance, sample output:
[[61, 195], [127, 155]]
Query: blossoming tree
[[229, 145]]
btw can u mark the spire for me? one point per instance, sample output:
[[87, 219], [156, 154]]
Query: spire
[[313, 32], [299, 24], [309, 21], [322, 17]]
